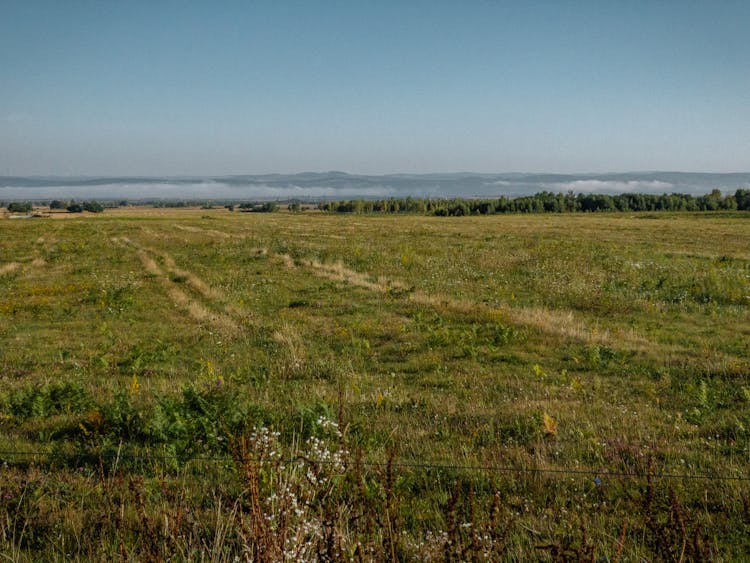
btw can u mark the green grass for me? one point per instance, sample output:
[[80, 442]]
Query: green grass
[[132, 344]]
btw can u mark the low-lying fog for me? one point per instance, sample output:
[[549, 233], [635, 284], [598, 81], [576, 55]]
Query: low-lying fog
[[339, 185]]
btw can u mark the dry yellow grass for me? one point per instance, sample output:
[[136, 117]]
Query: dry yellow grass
[[9, 267], [149, 264], [210, 232], [565, 324]]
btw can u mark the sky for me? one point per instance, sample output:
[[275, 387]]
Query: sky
[[202, 88]]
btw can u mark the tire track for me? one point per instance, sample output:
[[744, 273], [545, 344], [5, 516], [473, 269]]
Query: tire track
[[211, 232], [195, 308], [550, 321], [561, 323]]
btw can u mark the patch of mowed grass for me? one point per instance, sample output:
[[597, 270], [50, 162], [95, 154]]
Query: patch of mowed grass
[[595, 343]]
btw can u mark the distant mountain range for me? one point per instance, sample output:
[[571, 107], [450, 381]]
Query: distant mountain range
[[340, 185]]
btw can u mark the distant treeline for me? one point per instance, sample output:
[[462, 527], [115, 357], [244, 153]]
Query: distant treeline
[[72, 206], [542, 202], [546, 202]]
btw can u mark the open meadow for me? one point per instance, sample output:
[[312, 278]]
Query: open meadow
[[206, 385]]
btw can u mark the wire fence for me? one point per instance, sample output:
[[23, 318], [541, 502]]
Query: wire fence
[[395, 464]]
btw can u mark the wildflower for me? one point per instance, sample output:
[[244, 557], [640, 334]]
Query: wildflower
[[550, 425]]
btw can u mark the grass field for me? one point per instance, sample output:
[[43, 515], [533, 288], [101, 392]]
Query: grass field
[[200, 384]]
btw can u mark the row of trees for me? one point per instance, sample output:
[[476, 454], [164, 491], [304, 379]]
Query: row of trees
[[547, 202], [77, 207], [266, 207], [542, 202], [20, 207], [72, 206]]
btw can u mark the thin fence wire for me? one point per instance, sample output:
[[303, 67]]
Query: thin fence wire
[[397, 465]]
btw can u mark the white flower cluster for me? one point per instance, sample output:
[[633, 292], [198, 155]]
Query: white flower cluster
[[433, 545], [329, 461], [290, 510], [329, 425], [265, 444]]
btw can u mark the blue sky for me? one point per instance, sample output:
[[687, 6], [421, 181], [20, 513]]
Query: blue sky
[[186, 88]]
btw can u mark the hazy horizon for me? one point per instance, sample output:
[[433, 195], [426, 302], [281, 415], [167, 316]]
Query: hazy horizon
[[339, 185]]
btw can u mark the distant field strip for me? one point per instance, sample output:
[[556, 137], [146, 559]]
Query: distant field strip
[[196, 308]]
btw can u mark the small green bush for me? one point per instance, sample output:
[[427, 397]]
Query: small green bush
[[93, 206], [19, 207], [47, 400]]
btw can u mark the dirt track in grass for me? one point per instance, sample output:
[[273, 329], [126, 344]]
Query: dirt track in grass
[[201, 304]]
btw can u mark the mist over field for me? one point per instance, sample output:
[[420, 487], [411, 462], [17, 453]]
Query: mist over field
[[340, 185]]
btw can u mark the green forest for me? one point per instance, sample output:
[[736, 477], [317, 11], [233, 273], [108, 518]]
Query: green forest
[[547, 202]]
